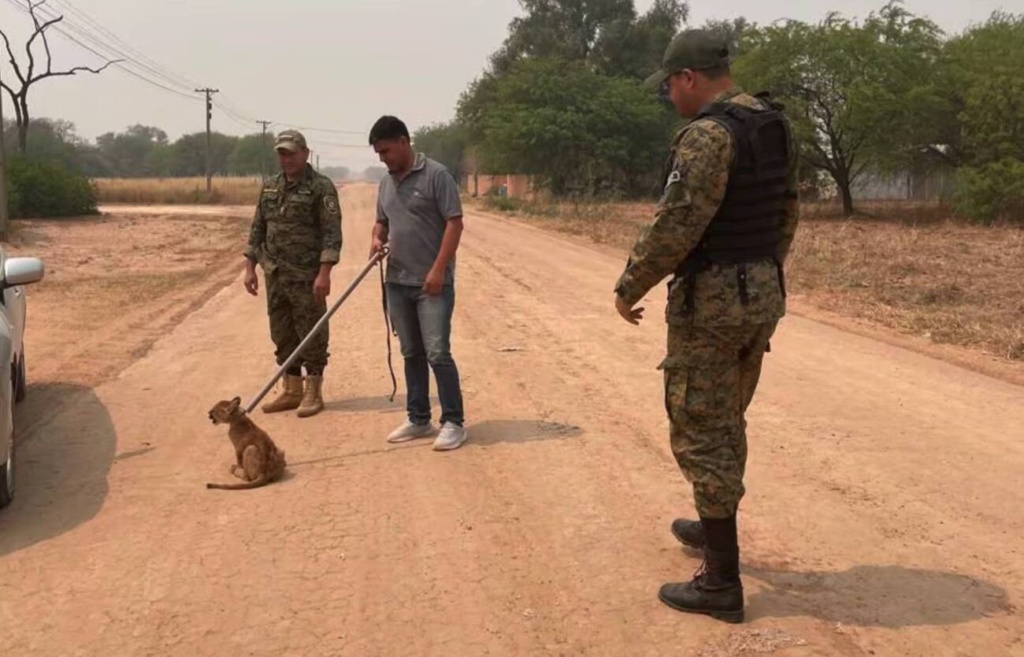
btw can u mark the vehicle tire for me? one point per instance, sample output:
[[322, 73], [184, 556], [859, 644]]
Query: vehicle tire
[[7, 477], [20, 380]]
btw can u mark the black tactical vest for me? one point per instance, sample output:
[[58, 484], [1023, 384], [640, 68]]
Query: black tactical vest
[[747, 226]]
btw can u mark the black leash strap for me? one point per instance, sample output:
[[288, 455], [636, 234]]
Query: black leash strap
[[390, 329]]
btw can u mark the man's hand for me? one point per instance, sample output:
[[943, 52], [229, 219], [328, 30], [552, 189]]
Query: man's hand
[[434, 282], [322, 286], [375, 246], [252, 283], [633, 316]]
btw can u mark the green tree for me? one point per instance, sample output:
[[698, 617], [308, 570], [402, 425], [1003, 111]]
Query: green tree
[[253, 154], [574, 129], [608, 34], [190, 154], [985, 68], [444, 142], [733, 31], [53, 141], [635, 48], [561, 29], [859, 93], [129, 154]]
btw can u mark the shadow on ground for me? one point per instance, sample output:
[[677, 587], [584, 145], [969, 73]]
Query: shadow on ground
[[379, 403], [487, 432], [65, 445], [490, 432], [875, 596]]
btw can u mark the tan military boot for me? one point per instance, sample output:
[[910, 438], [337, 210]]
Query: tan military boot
[[312, 402], [289, 399]]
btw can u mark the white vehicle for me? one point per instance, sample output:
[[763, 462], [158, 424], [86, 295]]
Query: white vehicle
[[15, 272]]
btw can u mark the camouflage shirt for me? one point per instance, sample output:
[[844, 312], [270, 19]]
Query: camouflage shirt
[[702, 154], [297, 226]]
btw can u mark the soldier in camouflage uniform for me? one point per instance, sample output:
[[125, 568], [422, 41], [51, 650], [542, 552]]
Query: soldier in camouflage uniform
[[723, 229], [296, 239]]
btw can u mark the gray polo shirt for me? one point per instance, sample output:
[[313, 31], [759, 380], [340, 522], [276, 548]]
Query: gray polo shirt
[[416, 212]]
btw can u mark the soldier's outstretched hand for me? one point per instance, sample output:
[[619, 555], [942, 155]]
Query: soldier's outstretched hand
[[631, 315]]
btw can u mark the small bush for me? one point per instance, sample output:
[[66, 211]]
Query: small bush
[[39, 189], [991, 192]]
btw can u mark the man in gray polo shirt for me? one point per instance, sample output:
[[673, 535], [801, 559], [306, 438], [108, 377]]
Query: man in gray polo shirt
[[419, 216]]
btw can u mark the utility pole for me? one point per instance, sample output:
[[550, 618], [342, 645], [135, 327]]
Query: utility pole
[[263, 149], [209, 115], [3, 177], [318, 163]]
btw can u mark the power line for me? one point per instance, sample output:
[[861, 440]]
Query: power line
[[60, 30], [99, 44], [187, 83], [148, 68]]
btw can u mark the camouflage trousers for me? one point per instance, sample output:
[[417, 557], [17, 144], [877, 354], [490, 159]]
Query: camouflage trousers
[[710, 378], [293, 311]]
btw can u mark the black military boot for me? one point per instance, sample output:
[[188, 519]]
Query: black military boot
[[716, 589], [689, 532]]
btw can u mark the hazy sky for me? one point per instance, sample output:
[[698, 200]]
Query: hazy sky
[[334, 64]]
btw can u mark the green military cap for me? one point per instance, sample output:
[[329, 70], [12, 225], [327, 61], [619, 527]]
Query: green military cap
[[691, 49], [290, 140]]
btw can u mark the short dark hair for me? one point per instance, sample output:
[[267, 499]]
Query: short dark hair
[[388, 127], [716, 72]]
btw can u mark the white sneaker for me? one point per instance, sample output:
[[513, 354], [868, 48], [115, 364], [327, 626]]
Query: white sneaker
[[451, 437], [411, 431]]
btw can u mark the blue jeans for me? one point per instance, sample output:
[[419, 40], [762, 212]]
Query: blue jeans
[[424, 326]]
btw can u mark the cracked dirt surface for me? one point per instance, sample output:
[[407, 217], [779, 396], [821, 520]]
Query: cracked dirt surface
[[882, 518]]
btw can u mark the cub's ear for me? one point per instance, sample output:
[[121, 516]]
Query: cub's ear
[[237, 401]]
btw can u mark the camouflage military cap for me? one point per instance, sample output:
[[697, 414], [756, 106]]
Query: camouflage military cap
[[691, 49], [290, 140]]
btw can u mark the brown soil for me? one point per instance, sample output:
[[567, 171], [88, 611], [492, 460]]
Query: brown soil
[[882, 514]]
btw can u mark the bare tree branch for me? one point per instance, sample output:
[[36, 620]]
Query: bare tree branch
[[20, 97], [824, 162], [28, 44], [14, 62], [46, 40], [77, 69], [41, 28]]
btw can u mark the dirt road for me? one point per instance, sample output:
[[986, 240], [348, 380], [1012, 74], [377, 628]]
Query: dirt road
[[883, 515]]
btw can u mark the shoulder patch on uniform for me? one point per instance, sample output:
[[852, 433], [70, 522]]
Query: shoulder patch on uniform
[[673, 178], [331, 203]]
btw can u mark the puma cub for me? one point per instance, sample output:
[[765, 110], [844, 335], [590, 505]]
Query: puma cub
[[259, 460]]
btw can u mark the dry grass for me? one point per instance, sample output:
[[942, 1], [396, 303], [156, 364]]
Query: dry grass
[[177, 191], [903, 266]]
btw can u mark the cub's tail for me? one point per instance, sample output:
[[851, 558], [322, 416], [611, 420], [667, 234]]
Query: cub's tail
[[262, 480]]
